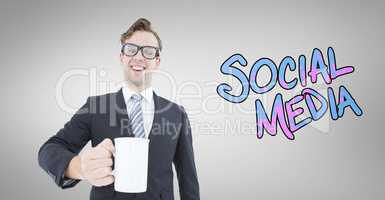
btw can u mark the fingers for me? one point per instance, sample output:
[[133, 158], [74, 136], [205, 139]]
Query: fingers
[[101, 172], [108, 145], [104, 181], [96, 163], [100, 153], [105, 149], [99, 163]]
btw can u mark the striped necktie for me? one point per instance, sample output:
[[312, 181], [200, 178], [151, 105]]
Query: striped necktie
[[136, 116]]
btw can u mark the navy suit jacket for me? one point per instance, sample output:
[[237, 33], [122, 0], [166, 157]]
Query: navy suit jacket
[[105, 116]]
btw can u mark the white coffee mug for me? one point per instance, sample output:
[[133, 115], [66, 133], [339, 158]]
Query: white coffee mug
[[131, 163]]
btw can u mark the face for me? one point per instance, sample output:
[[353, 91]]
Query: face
[[137, 69]]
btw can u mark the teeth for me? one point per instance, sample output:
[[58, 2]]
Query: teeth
[[135, 67]]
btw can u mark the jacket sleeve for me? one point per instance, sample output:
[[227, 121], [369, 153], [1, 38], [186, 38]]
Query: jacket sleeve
[[184, 162], [56, 153]]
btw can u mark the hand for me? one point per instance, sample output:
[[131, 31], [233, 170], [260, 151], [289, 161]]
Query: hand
[[95, 164]]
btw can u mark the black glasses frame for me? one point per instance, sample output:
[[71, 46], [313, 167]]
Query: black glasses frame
[[140, 48]]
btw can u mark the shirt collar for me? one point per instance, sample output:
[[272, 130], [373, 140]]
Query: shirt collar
[[147, 93]]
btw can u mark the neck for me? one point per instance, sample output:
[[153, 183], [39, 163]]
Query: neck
[[137, 88]]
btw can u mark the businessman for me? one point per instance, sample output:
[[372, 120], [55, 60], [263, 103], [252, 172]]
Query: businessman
[[135, 110]]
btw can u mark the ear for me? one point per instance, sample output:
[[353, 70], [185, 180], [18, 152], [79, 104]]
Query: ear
[[157, 61], [121, 58]]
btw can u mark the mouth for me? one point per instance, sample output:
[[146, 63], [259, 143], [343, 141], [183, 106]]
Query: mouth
[[137, 68]]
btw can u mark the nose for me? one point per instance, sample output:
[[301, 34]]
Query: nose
[[138, 56]]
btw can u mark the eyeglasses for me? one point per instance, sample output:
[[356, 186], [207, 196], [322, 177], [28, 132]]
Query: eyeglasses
[[148, 52]]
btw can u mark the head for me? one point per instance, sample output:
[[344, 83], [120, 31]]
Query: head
[[140, 53]]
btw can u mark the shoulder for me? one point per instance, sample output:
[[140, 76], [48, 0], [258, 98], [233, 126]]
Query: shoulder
[[103, 103], [101, 98], [165, 103]]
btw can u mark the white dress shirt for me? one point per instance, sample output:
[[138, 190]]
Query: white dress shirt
[[148, 106]]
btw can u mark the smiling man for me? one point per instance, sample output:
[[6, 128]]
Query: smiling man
[[105, 117]]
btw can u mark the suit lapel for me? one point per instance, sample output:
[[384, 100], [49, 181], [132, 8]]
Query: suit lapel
[[122, 120], [156, 119]]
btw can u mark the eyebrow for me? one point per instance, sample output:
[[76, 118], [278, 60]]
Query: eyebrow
[[140, 45]]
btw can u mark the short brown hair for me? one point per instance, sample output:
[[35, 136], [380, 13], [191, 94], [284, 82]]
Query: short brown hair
[[141, 24]]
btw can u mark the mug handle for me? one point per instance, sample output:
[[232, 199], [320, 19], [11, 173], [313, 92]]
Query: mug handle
[[113, 164]]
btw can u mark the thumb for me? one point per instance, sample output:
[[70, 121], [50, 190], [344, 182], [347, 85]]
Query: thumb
[[108, 145]]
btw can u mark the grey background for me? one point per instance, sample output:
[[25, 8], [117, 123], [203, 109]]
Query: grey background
[[41, 40]]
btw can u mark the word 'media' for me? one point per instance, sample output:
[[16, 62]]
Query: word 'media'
[[283, 113]]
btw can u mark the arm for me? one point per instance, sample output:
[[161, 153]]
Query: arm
[[184, 163], [55, 154]]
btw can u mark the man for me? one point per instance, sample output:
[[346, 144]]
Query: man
[[103, 118]]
